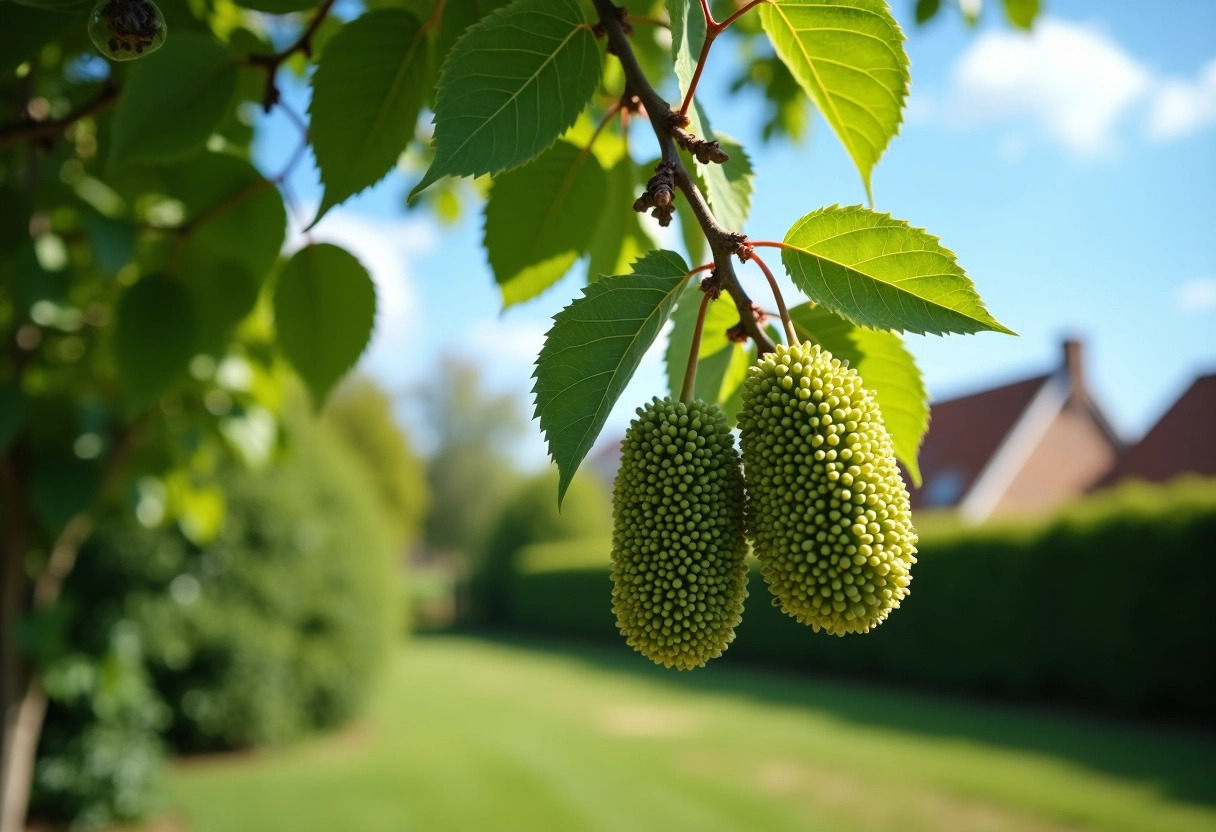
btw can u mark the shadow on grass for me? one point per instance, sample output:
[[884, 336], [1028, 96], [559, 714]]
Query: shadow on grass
[[1178, 763]]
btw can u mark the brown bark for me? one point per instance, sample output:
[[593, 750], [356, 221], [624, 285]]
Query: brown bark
[[16, 760]]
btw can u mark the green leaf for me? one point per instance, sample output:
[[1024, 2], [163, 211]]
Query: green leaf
[[541, 218], [887, 369], [324, 312], [1022, 13], [154, 336], [277, 6], [250, 230], [223, 292], [172, 101], [512, 84], [717, 351], [594, 348], [926, 9], [619, 238], [457, 17], [24, 31], [849, 57], [728, 186], [687, 37], [880, 272], [113, 241], [369, 86]]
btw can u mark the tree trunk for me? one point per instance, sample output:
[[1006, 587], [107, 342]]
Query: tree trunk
[[23, 696], [23, 701], [21, 724], [22, 727]]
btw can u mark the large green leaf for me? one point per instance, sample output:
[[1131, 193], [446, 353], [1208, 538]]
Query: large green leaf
[[619, 239], [512, 84], [880, 272], [887, 369], [717, 351], [540, 219], [594, 348], [369, 86], [458, 16], [727, 185], [154, 336], [252, 224], [687, 37], [223, 292], [324, 312], [172, 101], [849, 57]]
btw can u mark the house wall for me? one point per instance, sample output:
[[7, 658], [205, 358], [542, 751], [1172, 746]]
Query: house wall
[[1073, 454]]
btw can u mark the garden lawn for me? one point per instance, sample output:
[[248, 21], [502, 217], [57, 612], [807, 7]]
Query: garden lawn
[[468, 734]]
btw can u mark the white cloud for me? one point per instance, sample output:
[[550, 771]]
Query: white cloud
[[1074, 85], [1180, 107], [1071, 80], [1198, 295], [386, 248]]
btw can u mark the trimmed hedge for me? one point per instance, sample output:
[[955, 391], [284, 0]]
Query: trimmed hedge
[[531, 517], [1107, 606]]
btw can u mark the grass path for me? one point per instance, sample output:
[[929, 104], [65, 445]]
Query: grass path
[[476, 735]]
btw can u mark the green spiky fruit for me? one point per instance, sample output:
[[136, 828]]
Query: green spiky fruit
[[827, 508], [679, 550]]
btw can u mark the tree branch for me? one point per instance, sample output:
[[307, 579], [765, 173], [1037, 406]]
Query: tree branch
[[724, 244], [51, 130], [66, 547], [712, 29], [272, 62]]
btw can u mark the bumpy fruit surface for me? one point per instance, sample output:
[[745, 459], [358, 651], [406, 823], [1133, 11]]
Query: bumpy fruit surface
[[678, 546], [827, 508]]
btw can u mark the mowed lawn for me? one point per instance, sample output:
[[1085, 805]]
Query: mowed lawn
[[488, 735]]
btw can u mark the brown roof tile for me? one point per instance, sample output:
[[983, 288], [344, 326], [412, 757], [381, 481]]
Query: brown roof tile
[[1182, 441], [964, 433]]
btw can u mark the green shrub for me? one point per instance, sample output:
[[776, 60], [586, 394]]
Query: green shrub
[[100, 758], [531, 516], [273, 629], [1103, 606]]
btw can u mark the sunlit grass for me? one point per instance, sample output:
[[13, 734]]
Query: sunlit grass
[[470, 734]]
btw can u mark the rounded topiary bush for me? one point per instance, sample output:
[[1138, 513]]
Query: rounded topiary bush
[[274, 628]]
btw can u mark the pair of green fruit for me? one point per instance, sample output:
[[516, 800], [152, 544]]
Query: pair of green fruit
[[820, 496]]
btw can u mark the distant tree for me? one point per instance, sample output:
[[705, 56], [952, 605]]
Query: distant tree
[[470, 470], [361, 414]]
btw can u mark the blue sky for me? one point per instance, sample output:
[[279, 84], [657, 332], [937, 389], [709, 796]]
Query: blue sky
[[1073, 172]]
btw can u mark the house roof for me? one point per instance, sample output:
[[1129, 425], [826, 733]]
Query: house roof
[[976, 445], [1182, 441], [964, 435]]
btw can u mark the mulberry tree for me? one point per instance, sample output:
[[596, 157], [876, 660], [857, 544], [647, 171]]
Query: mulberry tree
[[150, 318]]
